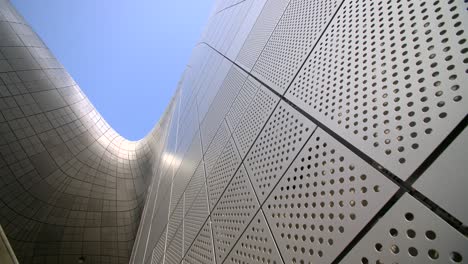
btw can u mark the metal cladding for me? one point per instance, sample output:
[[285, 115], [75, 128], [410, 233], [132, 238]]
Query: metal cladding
[[302, 131]]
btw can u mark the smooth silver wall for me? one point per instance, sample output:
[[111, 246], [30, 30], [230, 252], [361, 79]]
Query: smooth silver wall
[[71, 189], [313, 131]]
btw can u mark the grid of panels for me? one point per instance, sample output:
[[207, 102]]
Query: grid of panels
[[71, 188], [272, 166], [410, 233], [392, 89]]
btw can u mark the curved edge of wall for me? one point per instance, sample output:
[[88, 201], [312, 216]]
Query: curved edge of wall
[[7, 256]]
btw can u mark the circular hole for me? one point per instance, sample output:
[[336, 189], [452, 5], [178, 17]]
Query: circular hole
[[430, 235], [394, 249], [378, 247], [364, 261], [376, 188], [433, 254], [393, 232], [456, 257], [413, 251], [410, 233], [409, 216]]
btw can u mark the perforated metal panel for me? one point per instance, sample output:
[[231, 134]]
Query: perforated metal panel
[[190, 122], [449, 172], [292, 40], [226, 95], [233, 213], [216, 146], [196, 183], [159, 249], [254, 119], [256, 244], [186, 171], [201, 251], [174, 250], [222, 171], [383, 80], [243, 100], [390, 87], [175, 220], [260, 33], [275, 148], [410, 233], [325, 198], [225, 24], [196, 216], [208, 86]]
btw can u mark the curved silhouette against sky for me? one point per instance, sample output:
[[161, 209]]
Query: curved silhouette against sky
[[127, 56]]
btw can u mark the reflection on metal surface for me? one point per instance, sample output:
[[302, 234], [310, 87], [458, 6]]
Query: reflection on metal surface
[[301, 131]]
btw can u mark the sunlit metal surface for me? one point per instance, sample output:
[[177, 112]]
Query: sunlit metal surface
[[301, 131]]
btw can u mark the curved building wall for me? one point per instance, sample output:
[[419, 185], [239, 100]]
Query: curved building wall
[[300, 132], [70, 186]]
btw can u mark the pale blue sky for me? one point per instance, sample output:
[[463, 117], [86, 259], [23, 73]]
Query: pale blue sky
[[126, 55]]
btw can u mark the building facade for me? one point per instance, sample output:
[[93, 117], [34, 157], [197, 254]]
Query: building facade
[[302, 131]]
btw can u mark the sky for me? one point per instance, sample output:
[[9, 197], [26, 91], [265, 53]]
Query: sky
[[127, 56]]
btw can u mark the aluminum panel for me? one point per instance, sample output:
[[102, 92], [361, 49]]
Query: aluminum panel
[[195, 218], [175, 220], [254, 119], [175, 251], [245, 28], [201, 251], [298, 30], [256, 245], [196, 183], [261, 32], [410, 233], [226, 95], [210, 86], [275, 148], [233, 213], [325, 198], [222, 172], [445, 181], [238, 143], [393, 92], [216, 146], [187, 168], [158, 251], [243, 100]]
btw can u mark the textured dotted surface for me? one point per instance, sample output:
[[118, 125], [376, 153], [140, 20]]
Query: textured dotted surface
[[201, 251], [243, 100], [254, 118], [279, 142], [222, 172], [261, 32], [256, 244], [293, 38], [196, 216], [197, 182], [327, 196], [410, 233], [291, 138], [174, 250], [232, 214], [384, 76], [158, 251]]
